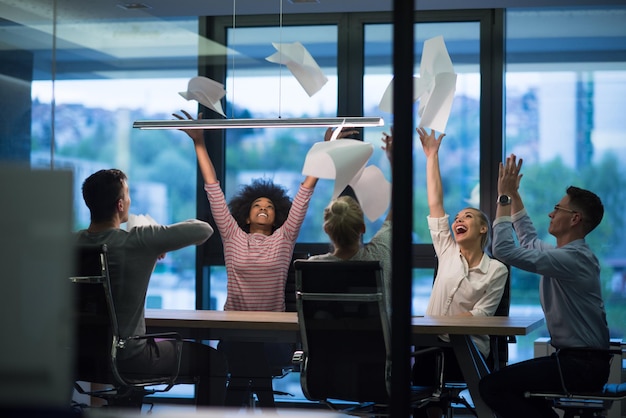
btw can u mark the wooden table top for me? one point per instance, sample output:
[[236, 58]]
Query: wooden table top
[[256, 320], [288, 321], [476, 325]]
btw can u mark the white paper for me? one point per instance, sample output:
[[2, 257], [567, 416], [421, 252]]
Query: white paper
[[301, 64], [344, 161], [139, 220], [340, 160], [373, 192], [386, 102], [436, 114], [437, 75], [434, 88], [207, 92]]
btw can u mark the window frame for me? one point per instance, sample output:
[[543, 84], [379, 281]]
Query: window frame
[[350, 71]]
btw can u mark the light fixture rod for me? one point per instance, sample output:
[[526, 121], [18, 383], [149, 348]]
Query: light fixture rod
[[349, 122]]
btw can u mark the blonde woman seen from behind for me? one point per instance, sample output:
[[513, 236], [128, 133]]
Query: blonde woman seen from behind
[[344, 224]]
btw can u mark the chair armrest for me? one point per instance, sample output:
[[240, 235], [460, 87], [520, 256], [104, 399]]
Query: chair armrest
[[169, 335], [297, 359], [610, 352], [173, 375], [425, 350]]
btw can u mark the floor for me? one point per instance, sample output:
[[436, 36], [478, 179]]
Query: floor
[[159, 409]]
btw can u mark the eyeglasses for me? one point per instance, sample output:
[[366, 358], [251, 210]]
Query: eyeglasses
[[557, 208]]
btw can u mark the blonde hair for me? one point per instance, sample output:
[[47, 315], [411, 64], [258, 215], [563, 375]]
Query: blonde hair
[[485, 239], [344, 222]]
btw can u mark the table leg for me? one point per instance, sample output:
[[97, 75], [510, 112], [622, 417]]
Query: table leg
[[474, 368]]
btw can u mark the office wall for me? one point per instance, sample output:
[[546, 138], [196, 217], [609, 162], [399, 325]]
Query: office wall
[[16, 68]]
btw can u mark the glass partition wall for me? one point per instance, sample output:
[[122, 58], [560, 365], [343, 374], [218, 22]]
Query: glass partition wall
[[74, 82], [460, 156], [565, 101]]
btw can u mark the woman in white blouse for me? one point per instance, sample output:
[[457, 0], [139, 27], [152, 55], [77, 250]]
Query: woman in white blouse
[[468, 281]]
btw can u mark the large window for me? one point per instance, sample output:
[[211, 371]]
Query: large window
[[459, 152], [565, 101], [262, 89], [73, 84], [257, 88], [88, 80]]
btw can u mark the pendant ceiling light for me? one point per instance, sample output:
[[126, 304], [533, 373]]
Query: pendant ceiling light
[[349, 122], [280, 122]]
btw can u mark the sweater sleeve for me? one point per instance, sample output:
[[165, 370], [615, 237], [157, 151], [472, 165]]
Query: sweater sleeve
[[291, 227], [166, 238], [226, 224]]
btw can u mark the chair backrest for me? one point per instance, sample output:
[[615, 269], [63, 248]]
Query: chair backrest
[[280, 359], [290, 284], [344, 329], [96, 324], [499, 355]]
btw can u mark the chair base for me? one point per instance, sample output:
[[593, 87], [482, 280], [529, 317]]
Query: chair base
[[128, 398], [579, 408], [365, 409]]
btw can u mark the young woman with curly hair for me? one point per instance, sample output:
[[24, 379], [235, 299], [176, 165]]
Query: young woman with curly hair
[[258, 228]]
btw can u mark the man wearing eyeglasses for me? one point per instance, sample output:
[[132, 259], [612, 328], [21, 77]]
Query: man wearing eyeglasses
[[570, 293]]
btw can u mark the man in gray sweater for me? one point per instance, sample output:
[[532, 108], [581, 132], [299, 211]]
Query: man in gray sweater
[[132, 258]]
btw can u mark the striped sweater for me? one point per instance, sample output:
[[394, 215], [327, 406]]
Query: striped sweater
[[256, 264]]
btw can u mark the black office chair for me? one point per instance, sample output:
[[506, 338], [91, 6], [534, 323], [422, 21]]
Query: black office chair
[[344, 326], [290, 284], [499, 344], [98, 341], [584, 404], [279, 368]]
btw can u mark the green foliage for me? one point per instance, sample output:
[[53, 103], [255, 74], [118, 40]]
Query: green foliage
[[168, 157]]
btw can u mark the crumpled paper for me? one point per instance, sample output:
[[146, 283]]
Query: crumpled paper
[[344, 161], [434, 88], [301, 64], [207, 92]]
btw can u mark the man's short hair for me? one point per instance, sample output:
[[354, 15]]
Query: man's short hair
[[101, 191], [588, 204]]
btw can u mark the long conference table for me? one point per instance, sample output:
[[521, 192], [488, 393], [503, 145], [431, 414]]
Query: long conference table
[[283, 326]]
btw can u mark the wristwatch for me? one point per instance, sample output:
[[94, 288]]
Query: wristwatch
[[504, 200]]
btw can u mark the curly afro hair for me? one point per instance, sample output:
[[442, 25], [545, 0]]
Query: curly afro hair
[[241, 203]]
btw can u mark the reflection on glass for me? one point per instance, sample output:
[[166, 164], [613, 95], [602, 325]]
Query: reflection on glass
[[459, 153], [564, 117], [257, 88], [83, 97]]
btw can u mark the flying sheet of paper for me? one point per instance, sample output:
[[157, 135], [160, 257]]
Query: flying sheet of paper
[[434, 88], [439, 84], [207, 92], [373, 192], [139, 220], [344, 161], [301, 64], [386, 102], [341, 160]]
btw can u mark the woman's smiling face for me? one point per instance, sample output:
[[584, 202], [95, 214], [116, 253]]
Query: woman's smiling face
[[262, 212], [468, 225]]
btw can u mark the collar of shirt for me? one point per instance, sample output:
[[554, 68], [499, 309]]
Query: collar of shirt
[[482, 267]]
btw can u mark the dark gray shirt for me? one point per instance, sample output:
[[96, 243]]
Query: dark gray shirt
[[132, 258]]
